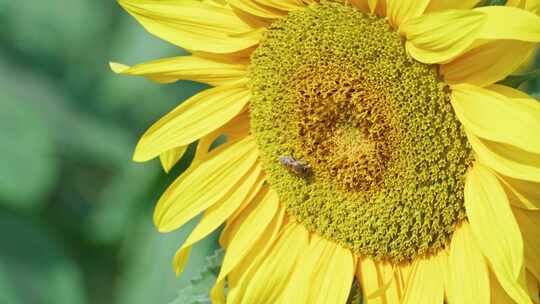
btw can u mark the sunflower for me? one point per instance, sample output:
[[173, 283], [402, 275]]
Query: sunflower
[[369, 149]]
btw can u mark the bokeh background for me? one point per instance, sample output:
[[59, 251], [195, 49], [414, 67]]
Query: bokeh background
[[75, 212]]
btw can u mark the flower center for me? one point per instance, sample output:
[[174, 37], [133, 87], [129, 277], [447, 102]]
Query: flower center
[[336, 96]]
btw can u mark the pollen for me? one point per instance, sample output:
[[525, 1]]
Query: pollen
[[335, 89]]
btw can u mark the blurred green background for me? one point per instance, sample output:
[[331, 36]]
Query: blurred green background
[[75, 212]]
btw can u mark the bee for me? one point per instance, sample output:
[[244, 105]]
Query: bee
[[295, 167]]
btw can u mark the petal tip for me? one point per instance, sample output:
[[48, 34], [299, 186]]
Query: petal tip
[[140, 155], [161, 226], [138, 158], [118, 68]]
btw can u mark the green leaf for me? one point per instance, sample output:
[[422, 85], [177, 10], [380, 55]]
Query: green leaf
[[515, 81], [35, 267], [198, 289]]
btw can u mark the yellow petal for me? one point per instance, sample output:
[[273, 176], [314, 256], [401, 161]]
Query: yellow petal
[[256, 9], [522, 194], [441, 5], [467, 269], [381, 282], [533, 6], [216, 215], [498, 295], [194, 118], [516, 3], [311, 282], [495, 229], [372, 4], [509, 92], [284, 5], [193, 68], [400, 11], [252, 224], [427, 282], [118, 68], [532, 286], [505, 22], [441, 36], [493, 116], [249, 226], [255, 22], [238, 127], [204, 186], [234, 130], [231, 226], [300, 284], [529, 221], [192, 25], [203, 150], [170, 158], [487, 63], [381, 9], [239, 57], [516, 96], [505, 159], [274, 273], [361, 5], [403, 277], [241, 275]]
